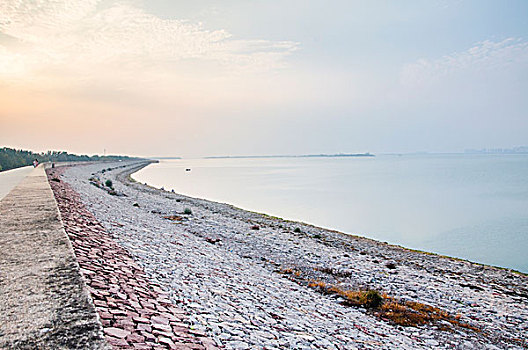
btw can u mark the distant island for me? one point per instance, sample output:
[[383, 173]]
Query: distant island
[[164, 158], [297, 156], [514, 150]]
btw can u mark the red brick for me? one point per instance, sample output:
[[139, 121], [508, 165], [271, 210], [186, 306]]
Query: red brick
[[135, 338], [141, 319], [167, 341], [163, 333], [105, 315], [116, 332], [159, 320], [141, 346], [163, 327], [144, 327], [148, 335], [116, 341], [197, 332]]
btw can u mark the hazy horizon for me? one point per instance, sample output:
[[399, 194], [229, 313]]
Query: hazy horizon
[[213, 78], [481, 150]]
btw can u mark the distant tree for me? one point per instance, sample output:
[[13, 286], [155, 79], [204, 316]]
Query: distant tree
[[12, 158]]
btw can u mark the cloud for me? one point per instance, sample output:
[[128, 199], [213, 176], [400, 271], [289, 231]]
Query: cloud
[[484, 59], [79, 40], [474, 94]]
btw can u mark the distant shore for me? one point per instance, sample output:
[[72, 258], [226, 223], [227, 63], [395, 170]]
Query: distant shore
[[338, 155]]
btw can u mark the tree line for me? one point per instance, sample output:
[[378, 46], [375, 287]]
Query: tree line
[[11, 158]]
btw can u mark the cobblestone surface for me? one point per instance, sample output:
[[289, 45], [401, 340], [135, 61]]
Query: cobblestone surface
[[135, 313]]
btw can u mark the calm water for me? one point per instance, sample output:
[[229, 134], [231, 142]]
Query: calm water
[[468, 206]]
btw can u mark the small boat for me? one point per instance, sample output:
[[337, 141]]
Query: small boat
[[188, 169]]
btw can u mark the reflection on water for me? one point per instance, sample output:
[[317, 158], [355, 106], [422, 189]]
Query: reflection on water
[[468, 206]]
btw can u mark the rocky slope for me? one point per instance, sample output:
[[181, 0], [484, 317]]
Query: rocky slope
[[253, 281]]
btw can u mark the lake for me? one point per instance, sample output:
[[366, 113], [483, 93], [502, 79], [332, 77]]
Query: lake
[[468, 206]]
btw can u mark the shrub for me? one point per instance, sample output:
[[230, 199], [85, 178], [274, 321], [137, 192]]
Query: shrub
[[367, 299], [373, 298], [108, 183], [390, 266], [187, 211], [297, 230]]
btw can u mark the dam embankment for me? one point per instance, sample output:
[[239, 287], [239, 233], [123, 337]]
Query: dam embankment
[[169, 271]]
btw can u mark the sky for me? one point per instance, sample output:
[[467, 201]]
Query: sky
[[259, 77]]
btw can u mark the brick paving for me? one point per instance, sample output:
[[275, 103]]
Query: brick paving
[[135, 313]]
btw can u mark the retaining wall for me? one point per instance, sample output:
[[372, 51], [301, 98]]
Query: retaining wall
[[44, 302]]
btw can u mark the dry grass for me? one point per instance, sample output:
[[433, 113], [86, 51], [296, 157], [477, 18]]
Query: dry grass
[[173, 218], [363, 298], [401, 313], [292, 272], [411, 313], [408, 314], [317, 284]]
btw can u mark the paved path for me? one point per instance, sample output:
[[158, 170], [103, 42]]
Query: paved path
[[44, 303], [10, 178]]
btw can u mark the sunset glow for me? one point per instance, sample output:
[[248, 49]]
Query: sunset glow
[[164, 78]]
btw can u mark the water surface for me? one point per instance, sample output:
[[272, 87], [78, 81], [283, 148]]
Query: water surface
[[469, 206]]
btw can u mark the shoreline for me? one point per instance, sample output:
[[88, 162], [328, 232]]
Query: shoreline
[[130, 179], [238, 266]]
